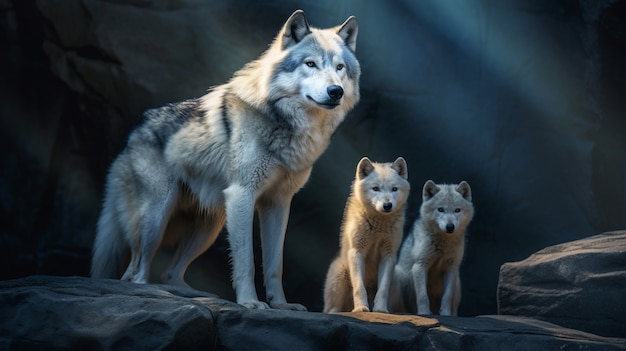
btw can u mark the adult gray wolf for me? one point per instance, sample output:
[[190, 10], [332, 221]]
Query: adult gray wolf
[[246, 145], [426, 277], [371, 234]]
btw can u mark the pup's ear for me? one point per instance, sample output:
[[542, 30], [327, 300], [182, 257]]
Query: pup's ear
[[429, 190], [464, 189], [294, 30], [348, 32], [364, 168], [399, 165]]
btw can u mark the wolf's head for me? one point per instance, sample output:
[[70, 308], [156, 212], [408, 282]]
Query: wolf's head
[[382, 187], [448, 207], [315, 68]]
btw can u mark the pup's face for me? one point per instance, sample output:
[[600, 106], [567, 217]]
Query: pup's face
[[448, 206], [382, 186]]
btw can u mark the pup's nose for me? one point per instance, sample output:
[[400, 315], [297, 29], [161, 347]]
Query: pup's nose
[[387, 206], [450, 228], [335, 92]]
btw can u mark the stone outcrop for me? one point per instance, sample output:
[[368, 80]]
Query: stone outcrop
[[579, 284], [76, 313]]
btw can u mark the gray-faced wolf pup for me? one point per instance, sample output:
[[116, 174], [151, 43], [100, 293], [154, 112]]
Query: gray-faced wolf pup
[[246, 145], [427, 273], [360, 277]]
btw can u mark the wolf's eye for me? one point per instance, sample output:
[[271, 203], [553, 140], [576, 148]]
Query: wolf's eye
[[340, 67], [395, 188], [457, 210], [376, 188], [310, 63], [440, 209]]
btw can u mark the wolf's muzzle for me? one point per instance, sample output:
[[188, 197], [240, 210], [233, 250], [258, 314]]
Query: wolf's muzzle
[[387, 206], [450, 228], [335, 92]]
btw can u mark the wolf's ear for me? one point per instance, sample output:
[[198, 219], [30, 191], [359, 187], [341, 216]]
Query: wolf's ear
[[348, 32], [464, 189], [364, 168], [294, 30], [399, 165], [429, 190]]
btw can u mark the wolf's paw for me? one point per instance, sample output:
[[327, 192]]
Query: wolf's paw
[[361, 309], [290, 307], [255, 305]]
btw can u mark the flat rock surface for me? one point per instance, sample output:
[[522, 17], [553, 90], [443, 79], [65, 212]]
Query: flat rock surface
[[76, 313], [579, 284]]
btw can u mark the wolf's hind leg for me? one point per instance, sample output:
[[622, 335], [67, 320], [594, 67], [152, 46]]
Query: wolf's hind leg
[[200, 235], [337, 288]]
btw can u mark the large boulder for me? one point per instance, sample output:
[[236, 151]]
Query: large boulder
[[75, 313], [579, 284]]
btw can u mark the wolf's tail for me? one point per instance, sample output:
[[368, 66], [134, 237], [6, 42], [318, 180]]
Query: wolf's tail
[[108, 247]]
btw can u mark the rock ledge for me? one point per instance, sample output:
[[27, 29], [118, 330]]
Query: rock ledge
[[81, 313]]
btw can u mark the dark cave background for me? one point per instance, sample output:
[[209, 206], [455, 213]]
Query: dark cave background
[[522, 99]]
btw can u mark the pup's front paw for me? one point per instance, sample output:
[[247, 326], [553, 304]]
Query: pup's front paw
[[255, 305], [361, 308]]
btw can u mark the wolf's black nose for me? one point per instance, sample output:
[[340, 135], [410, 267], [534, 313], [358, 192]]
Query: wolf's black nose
[[450, 228], [335, 92], [387, 206]]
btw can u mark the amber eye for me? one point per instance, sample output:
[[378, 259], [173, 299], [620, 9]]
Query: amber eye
[[440, 209], [340, 67], [376, 188], [310, 63]]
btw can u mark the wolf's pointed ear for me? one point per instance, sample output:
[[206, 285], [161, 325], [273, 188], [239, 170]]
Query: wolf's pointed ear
[[464, 189], [294, 30], [399, 165], [429, 190], [348, 32], [364, 168]]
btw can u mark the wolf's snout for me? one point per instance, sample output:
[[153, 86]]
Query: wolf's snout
[[335, 92], [387, 206], [450, 228]]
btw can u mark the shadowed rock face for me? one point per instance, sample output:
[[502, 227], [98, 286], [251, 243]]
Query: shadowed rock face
[[523, 99], [75, 313], [579, 284]]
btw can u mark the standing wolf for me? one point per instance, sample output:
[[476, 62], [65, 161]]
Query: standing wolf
[[248, 144], [427, 273], [370, 237]]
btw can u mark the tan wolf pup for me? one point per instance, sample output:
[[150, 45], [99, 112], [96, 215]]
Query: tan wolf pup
[[371, 234]]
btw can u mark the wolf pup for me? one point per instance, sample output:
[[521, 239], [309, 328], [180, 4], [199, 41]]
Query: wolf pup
[[371, 234], [247, 145], [427, 273]]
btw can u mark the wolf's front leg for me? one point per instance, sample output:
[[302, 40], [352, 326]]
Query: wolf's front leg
[[385, 276], [273, 217], [419, 273], [356, 263], [451, 292], [239, 217]]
